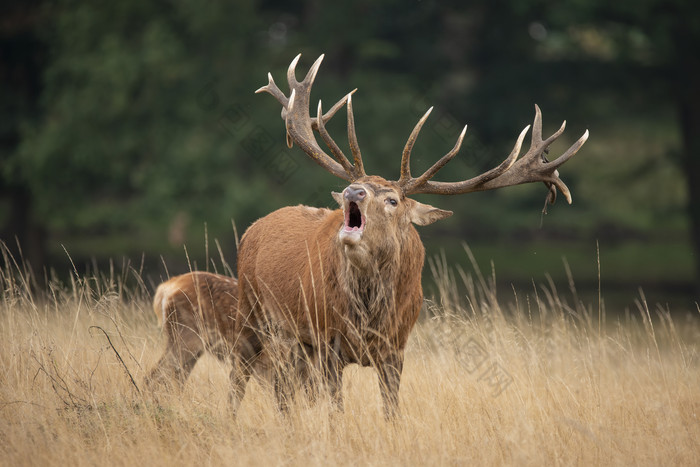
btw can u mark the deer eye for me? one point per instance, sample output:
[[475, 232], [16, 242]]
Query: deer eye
[[392, 201]]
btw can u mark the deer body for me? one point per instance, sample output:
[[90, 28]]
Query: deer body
[[346, 284], [198, 312], [353, 302]]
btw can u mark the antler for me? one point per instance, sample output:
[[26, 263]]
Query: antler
[[300, 126], [532, 167]]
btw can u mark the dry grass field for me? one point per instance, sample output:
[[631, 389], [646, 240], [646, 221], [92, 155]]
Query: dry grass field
[[538, 381]]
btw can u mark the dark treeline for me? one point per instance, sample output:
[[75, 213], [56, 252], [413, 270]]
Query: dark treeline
[[131, 128]]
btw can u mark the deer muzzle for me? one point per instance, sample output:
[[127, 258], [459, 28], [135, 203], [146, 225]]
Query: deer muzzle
[[354, 193], [354, 225]]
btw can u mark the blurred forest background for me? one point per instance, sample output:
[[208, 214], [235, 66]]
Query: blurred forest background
[[129, 129]]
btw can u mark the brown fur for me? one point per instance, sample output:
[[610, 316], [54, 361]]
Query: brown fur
[[351, 303], [198, 312]]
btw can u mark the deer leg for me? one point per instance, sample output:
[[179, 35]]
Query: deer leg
[[335, 386], [286, 371], [175, 365], [334, 374], [245, 353], [184, 347], [303, 356], [389, 381], [292, 370], [284, 389], [240, 374]]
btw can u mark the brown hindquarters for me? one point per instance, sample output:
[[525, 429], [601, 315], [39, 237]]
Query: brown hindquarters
[[197, 312]]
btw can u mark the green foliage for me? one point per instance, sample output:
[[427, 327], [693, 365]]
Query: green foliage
[[147, 126], [125, 135]]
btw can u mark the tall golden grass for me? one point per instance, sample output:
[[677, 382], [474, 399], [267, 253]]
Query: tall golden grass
[[543, 380]]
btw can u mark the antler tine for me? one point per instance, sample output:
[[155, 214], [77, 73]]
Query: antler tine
[[359, 168], [428, 174], [537, 130], [338, 105], [291, 72], [335, 149], [405, 176], [311, 74], [271, 88], [559, 161], [290, 106], [536, 127]]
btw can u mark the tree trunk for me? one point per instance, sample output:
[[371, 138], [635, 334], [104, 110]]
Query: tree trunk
[[689, 99], [25, 240]]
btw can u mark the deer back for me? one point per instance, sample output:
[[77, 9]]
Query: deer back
[[200, 304]]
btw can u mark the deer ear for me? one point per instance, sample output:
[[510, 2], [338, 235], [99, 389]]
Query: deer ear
[[424, 214], [338, 197]]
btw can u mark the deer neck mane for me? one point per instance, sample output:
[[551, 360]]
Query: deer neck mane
[[370, 287]]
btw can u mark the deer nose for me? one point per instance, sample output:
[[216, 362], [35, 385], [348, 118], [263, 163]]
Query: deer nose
[[355, 193]]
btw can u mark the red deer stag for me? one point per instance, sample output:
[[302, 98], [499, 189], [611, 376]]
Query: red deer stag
[[197, 312], [347, 282]]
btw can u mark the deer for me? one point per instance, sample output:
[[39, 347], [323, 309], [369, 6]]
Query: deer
[[346, 282], [198, 312]]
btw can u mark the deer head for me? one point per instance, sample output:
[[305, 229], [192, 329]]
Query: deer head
[[375, 208], [376, 214]]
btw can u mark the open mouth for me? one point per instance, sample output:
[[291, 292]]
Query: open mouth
[[354, 220]]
